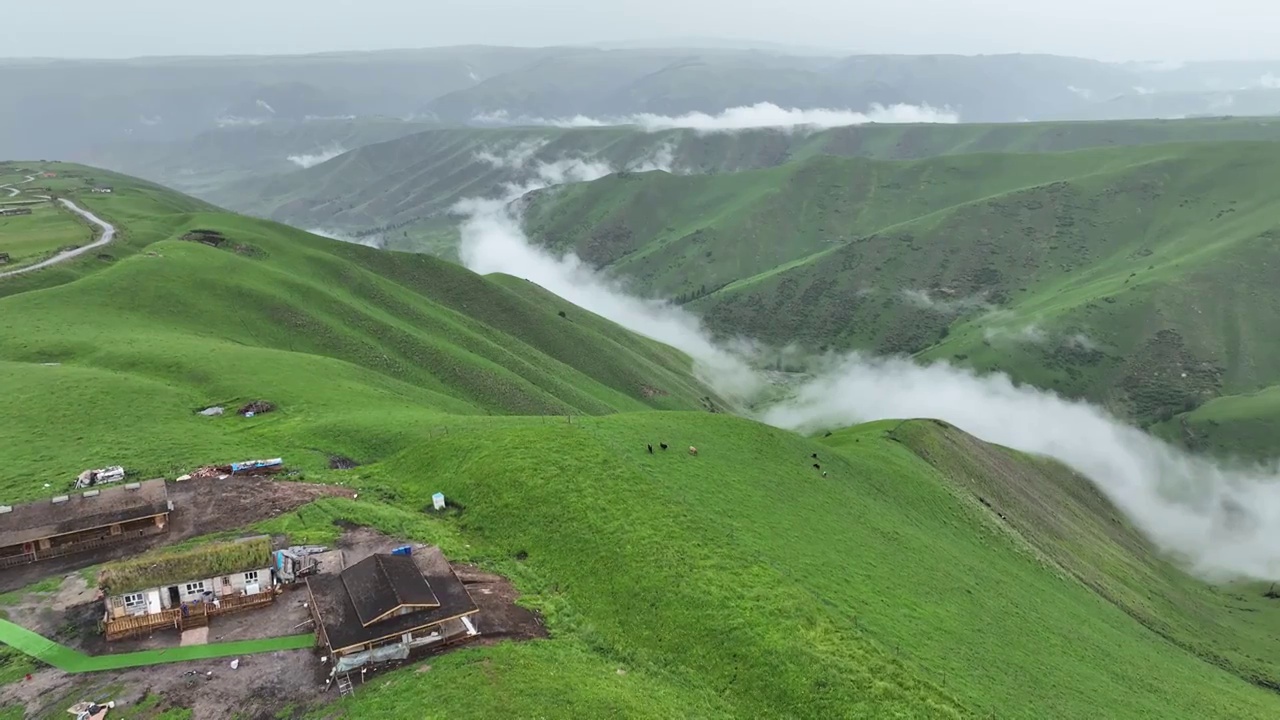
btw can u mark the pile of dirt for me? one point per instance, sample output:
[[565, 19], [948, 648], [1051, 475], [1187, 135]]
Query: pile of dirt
[[233, 502], [209, 472], [342, 462], [212, 238], [650, 391], [500, 618], [257, 407]]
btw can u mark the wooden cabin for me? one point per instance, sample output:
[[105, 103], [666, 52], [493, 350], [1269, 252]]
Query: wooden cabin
[[82, 521], [388, 606]]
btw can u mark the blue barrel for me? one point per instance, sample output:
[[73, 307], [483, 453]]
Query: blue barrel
[[403, 550]]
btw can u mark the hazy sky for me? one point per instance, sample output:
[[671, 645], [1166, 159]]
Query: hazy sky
[[1105, 29]]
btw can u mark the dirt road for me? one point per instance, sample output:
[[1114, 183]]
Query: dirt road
[[108, 234], [13, 191]]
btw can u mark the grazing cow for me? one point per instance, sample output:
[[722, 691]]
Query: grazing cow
[[650, 449], [662, 445], [814, 456], [824, 473], [693, 450], [816, 466]]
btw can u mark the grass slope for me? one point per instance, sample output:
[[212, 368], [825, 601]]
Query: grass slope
[[1245, 425], [1074, 529], [1136, 277], [403, 186], [742, 583], [47, 230], [395, 341], [913, 596]]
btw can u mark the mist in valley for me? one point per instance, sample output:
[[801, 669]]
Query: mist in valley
[[1214, 518], [759, 115]]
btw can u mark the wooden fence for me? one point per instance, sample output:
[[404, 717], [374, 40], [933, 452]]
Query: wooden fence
[[198, 615]]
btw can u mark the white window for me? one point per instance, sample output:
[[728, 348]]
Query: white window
[[195, 587], [251, 577], [135, 601]]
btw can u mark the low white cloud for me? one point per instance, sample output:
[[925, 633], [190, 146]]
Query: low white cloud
[[1083, 93], [493, 242], [529, 174], [1218, 520], [1269, 81], [760, 115], [1031, 334], [944, 303], [265, 106], [235, 121], [306, 160], [1143, 90], [514, 157], [661, 158], [1161, 65], [1035, 334], [373, 240], [150, 120]]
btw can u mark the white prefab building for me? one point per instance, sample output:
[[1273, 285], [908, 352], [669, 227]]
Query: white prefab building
[[186, 588], [211, 590]]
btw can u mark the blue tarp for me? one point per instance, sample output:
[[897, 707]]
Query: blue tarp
[[256, 464]]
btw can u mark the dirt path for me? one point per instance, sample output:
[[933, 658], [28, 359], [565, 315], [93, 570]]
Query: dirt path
[[108, 234], [13, 191], [201, 507]]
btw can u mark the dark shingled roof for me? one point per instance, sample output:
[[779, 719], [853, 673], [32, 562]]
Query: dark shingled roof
[[381, 583], [111, 505], [342, 624]]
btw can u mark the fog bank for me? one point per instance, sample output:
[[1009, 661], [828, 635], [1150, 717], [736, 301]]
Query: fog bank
[[760, 115], [306, 160], [1218, 521]]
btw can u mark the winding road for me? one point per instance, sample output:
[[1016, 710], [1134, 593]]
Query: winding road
[[13, 191], [108, 233]]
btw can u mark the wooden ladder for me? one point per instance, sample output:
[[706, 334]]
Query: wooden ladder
[[345, 687]]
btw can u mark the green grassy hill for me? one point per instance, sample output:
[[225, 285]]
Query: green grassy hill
[[404, 186], [743, 583], [926, 575], [171, 325], [1138, 277], [29, 238]]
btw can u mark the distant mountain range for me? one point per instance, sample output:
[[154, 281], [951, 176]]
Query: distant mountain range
[[72, 108]]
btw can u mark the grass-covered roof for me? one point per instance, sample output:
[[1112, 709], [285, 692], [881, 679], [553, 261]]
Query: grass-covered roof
[[171, 567]]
